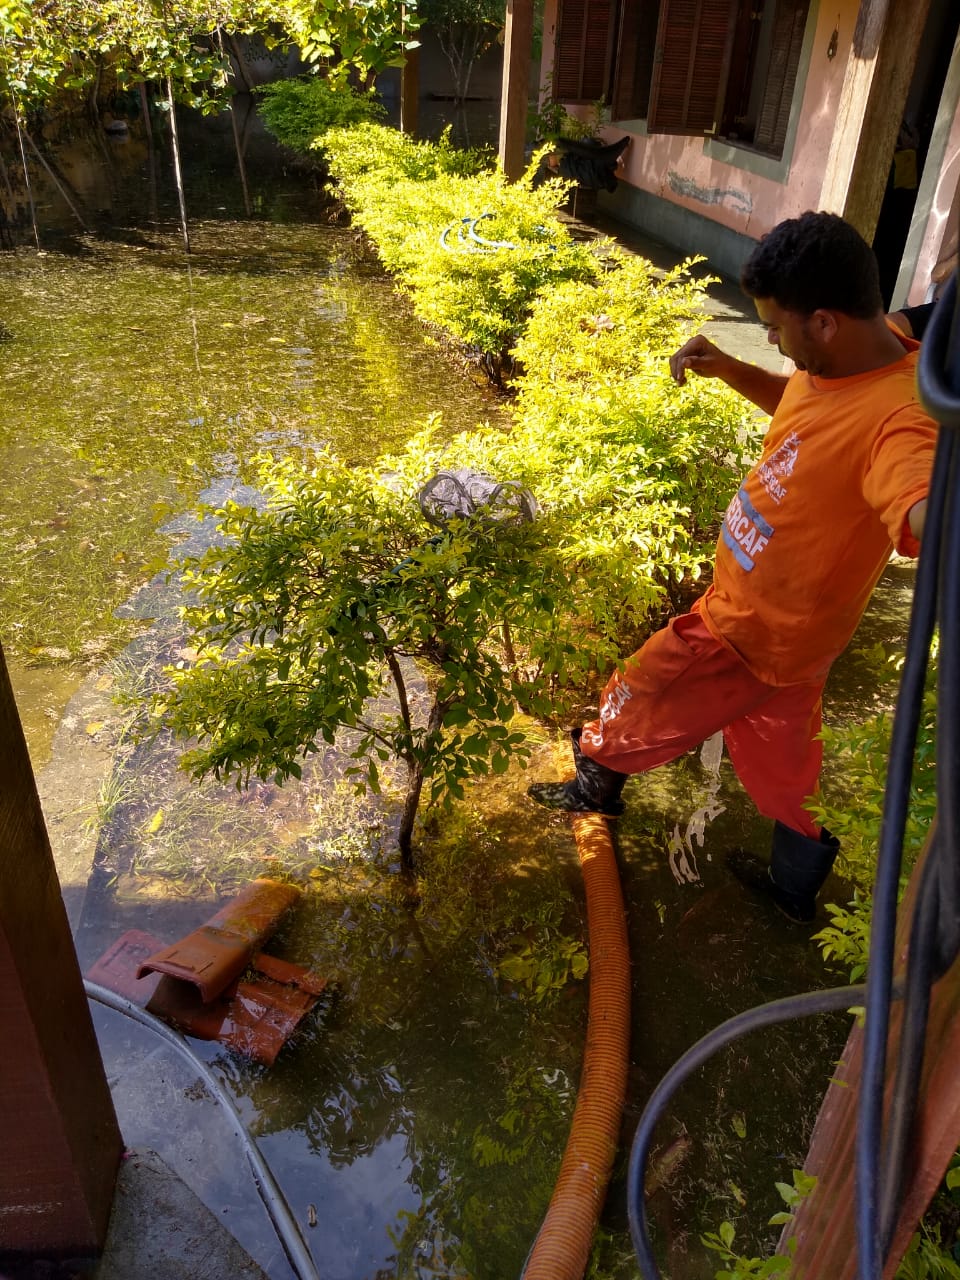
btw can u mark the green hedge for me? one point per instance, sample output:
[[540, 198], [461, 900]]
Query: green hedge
[[429, 208], [636, 470], [299, 112], [307, 609]]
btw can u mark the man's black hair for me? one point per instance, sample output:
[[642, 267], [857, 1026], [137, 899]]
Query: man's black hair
[[814, 261]]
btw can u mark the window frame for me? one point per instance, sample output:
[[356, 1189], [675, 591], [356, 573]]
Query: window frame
[[679, 60]]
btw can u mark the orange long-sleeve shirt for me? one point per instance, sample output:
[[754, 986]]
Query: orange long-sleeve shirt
[[812, 525]]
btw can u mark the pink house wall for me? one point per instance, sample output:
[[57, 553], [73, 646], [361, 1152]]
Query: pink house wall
[[683, 171]]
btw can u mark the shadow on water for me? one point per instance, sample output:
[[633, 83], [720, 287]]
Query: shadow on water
[[419, 1117]]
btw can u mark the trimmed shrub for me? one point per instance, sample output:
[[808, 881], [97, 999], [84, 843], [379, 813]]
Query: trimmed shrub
[[472, 249], [312, 607], [639, 469], [299, 112]]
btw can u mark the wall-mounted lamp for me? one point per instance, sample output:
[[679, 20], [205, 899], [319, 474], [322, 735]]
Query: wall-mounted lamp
[[834, 41]]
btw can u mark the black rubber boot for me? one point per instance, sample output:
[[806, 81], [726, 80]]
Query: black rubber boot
[[595, 789], [798, 867]]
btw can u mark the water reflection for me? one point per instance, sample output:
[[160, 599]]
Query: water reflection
[[131, 370], [420, 1116], [138, 381]]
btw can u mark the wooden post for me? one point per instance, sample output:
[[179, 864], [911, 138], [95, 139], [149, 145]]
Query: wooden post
[[410, 93], [881, 66], [61, 1143], [824, 1224], [177, 169], [514, 96]]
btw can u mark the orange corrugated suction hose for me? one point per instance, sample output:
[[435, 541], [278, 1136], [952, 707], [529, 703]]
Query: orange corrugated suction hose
[[562, 1247]]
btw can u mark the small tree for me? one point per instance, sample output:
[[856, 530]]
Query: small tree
[[351, 37], [465, 30], [339, 592], [46, 49]]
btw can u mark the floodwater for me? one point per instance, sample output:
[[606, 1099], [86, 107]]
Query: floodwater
[[417, 1119]]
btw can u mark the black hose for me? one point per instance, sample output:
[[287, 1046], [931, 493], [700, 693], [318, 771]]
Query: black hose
[[903, 1107], [882, 1172], [765, 1015], [889, 859]]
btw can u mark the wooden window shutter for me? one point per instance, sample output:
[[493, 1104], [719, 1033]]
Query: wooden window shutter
[[786, 43], [583, 50], [634, 62], [625, 69], [692, 57]]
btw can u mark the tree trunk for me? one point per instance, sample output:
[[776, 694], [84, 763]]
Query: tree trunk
[[247, 206], [5, 179], [243, 71], [178, 173], [26, 175], [8, 217], [415, 773], [60, 185], [151, 151], [509, 651], [461, 46], [93, 102], [415, 778], [411, 803], [145, 112]]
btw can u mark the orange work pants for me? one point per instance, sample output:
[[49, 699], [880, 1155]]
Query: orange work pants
[[682, 686]]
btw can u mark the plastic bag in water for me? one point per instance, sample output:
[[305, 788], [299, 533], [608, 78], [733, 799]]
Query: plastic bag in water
[[465, 493]]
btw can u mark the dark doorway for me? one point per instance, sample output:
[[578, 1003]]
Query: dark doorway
[[916, 130]]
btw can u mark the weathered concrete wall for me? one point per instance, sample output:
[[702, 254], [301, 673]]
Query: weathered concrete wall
[[740, 190], [932, 242]]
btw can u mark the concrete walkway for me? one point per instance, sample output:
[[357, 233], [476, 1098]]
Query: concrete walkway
[[159, 1230], [733, 324], [184, 1240]]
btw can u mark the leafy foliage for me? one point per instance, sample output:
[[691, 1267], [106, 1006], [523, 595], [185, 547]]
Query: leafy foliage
[[299, 112], [642, 468], [927, 1258], [551, 120], [543, 966], [314, 605], [318, 604], [851, 805], [50, 48], [532, 1104], [45, 49], [845, 941], [361, 37], [473, 250], [738, 1267]]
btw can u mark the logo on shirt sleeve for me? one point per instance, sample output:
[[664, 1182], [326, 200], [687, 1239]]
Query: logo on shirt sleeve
[[745, 531]]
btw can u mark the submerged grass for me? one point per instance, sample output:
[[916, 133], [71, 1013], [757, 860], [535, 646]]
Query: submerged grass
[[130, 379]]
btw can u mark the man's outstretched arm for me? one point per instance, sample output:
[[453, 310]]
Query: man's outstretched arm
[[700, 356]]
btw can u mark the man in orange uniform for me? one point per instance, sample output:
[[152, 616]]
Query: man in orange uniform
[[843, 476]]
